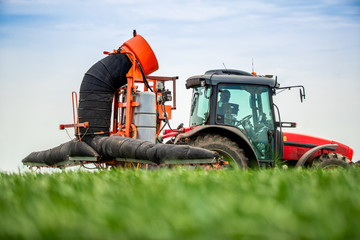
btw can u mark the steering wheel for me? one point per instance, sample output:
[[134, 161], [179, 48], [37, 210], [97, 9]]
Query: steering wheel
[[244, 120]]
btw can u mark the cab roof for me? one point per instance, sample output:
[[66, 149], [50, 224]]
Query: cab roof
[[218, 76]]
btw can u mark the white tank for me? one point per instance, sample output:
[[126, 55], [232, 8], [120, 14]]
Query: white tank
[[145, 116]]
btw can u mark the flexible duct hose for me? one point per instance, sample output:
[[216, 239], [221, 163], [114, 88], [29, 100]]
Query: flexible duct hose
[[97, 92]]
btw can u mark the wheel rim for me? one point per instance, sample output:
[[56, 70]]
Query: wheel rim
[[227, 157]]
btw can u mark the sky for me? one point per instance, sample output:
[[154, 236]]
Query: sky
[[47, 46]]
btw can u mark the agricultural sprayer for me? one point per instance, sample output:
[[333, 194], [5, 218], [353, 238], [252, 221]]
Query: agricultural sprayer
[[122, 110]]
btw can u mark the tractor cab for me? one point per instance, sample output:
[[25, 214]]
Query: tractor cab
[[237, 99]]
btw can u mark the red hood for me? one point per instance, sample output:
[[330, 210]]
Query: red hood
[[297, 144]]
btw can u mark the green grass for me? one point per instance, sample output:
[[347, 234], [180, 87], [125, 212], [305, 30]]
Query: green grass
[[181, 204]]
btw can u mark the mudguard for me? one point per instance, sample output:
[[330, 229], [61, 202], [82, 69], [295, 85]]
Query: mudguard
[[309, 153], [232, 132]]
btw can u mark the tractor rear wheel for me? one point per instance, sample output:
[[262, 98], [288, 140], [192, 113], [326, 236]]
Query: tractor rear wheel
[[331, 160], [228, 150]]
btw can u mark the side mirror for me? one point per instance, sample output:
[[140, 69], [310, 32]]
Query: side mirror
[[302, 90], [302, 94]]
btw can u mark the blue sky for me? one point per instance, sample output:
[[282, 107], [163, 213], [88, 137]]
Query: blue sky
[[47, 46]]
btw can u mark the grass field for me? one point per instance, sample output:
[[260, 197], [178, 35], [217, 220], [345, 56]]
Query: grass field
[[181, 204]]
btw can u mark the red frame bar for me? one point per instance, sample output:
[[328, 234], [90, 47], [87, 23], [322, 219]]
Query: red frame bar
[[75, 125]]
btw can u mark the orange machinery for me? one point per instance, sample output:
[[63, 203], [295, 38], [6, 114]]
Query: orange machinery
[[144, 62]]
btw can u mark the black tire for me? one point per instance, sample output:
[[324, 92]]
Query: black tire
[[228, 150], [331, 160], [355, 164]]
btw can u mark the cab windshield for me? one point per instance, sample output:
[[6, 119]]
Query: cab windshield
[[248, 108]]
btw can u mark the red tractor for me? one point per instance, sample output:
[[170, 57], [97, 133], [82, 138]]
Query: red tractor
[[233, 113]]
